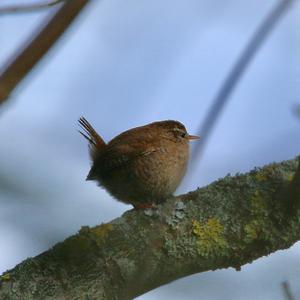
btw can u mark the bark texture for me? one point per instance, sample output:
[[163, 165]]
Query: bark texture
[[228, 223]]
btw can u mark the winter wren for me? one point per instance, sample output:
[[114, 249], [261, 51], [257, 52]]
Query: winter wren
[[141, 166]]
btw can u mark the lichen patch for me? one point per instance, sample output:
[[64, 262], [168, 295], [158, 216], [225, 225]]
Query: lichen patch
[[210, 237]]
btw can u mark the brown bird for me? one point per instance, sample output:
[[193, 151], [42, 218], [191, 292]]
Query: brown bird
[[141, 166]]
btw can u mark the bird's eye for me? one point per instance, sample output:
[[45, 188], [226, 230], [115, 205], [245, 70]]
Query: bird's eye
[[179, 133]]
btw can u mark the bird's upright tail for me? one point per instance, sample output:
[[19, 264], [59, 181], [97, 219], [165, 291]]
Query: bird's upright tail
[[96, 143]]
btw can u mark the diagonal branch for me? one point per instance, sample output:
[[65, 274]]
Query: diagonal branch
[[21, 8], [237, 71], [229, 223], [287, 290], [23, 62]]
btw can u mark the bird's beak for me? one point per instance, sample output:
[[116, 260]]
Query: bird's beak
[[193, 137]]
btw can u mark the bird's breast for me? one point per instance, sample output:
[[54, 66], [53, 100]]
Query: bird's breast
[[163, 169]]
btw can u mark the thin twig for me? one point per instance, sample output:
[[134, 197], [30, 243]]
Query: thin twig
[[287, 291], [23, 61], [21, 8], [237, 71]]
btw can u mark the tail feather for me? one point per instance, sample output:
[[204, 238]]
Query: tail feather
[[96, 143]]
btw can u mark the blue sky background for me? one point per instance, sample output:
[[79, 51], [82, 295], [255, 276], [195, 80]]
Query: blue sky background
[[128, 63]]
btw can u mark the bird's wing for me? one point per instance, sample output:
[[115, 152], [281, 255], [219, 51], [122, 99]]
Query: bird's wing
[[117, 155]]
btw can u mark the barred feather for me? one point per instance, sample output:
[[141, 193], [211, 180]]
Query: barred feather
[[96, 143]]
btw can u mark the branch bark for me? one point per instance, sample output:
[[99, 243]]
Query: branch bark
[[228, 223]]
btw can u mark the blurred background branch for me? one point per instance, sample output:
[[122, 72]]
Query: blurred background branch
[[236, 73], [296, 110], [287, 291], [24, 60], [21, 8]]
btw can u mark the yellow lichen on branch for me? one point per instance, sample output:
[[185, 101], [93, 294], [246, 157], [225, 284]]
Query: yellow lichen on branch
[[210, 237]]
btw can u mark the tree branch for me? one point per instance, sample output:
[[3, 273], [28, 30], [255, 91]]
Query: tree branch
[[21, 8], [23, 62], [228, 223], [236, 73], [287, 291]]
